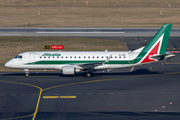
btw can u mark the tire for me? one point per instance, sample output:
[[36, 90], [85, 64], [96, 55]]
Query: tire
[[88, 74]]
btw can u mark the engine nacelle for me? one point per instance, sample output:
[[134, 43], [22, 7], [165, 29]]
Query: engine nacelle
[[69, 70]]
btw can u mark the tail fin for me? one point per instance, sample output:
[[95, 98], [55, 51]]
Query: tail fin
[[160, 40], [157, 45]]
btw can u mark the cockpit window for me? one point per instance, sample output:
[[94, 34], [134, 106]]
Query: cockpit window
[[18, 56]]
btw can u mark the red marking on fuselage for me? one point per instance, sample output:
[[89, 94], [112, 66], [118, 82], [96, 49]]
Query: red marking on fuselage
[[153, 51]]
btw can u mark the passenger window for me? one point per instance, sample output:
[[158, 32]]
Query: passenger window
[[75, 57], [70, 57], [79, 57], [44, 57], [53, 57], [89, 57], [97, 57], [40, 57], [48, 57], [93, 57], [102, 57], [84, 57], [62, 57], [115, 57], [57, 57], [66, 57], [106, 56]]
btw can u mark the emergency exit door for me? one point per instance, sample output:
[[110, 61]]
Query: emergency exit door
[[131, 57]]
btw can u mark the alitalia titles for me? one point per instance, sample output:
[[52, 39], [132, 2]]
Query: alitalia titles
[[51, 54]]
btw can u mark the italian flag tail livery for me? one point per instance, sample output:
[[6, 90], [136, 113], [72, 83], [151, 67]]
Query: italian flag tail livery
[[156, 47]]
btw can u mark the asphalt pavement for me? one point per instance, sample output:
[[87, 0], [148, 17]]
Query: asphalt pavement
[[149, 92], [82, 32]]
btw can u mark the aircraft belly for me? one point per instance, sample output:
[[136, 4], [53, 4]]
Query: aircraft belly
[[39, 66]]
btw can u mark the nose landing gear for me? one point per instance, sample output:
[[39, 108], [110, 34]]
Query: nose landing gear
[[27, 72]]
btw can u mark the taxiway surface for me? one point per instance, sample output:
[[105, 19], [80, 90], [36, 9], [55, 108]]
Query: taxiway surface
[[149, 92]]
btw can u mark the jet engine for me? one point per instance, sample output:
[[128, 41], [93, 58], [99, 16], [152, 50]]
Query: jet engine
[[69, 70]]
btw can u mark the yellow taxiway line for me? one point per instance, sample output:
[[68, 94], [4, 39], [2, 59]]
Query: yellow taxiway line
[[34, 114], [67, 96], [54, 97]]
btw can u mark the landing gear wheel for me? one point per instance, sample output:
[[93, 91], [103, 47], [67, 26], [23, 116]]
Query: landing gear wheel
[[27, 74], [88, 74]]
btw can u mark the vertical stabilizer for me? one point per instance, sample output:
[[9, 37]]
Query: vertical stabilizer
[[160, 40], [157, 45]]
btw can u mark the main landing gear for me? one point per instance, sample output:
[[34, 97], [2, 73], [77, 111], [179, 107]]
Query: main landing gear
[[88, 73], [27, 72]]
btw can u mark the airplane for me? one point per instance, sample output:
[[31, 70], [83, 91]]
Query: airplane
[[73, 62]]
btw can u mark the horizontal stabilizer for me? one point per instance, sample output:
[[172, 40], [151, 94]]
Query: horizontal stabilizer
[[164, 56]]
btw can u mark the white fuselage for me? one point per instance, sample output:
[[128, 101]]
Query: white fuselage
[[56, 60]]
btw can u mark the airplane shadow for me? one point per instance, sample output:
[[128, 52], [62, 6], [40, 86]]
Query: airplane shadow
[[98, 74], [136, 72]]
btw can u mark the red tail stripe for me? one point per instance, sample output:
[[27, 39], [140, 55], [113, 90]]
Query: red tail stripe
[[152, 52]]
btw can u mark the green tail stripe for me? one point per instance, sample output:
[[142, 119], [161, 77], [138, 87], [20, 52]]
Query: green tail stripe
[[167, 30]]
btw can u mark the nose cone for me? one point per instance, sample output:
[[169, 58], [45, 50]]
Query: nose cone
[[8, 64]]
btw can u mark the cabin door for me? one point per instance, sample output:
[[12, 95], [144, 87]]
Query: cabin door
[[32, 57]]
